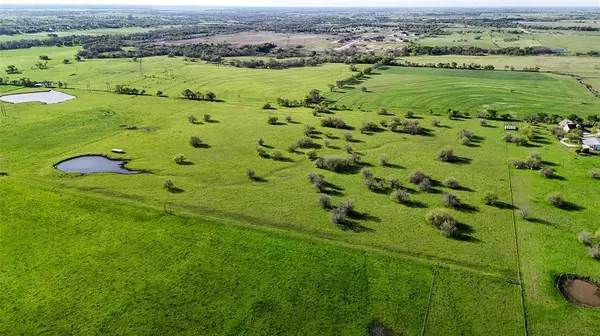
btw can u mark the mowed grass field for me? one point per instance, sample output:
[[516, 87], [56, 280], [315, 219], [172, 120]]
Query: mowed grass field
[[98, 253], [518, 93]]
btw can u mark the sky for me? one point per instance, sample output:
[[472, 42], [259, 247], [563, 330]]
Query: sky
[[326, 3]]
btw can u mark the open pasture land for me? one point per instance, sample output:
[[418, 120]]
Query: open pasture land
[[173, 75], [97, 31], [227, 255], [422, 89]]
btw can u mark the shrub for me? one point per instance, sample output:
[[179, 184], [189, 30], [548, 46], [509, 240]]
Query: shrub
[[547, 172], [383, 123], [272, 120], [382, 111], [312, 155], [179, 159], [262, 153], [192, 119], [288, 119], [411, 127], [313, 176], [251, 174], [394, 182], [293, 148], [524, 212], [409, 114], [445, 154], [435, 123], [277, 156], [451, 183], [425, 185], [347, 206], [195, 141], [595, 173], [348, 136], [520, 141], [534, 160], [371, 183], [324, 201], [333, 163], [400, 196], [556, 199], [309, 130], [438, 217], [558, 132], [417, 177], [465, 133], [169, 185], [305, 142], [329, 135], [465, 141], [585, 238], [507, 137], [366, 173], [261, 142], [327, 143], [319, 183], [368, 127], [363, 89], [206, 117], [383, 160], [355, 157], [595, 251], [483, 122], [348, 149], [333, 122], [338, 216], [449, 229], [267, 106], [490, 198], [518, 164], [450, 200]]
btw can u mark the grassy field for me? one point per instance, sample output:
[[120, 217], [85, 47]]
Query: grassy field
[[97, 31], [517, 93], [97, 252], [573, 41]]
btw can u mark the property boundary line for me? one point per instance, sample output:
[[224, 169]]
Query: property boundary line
[[518, 255], [429, 303]]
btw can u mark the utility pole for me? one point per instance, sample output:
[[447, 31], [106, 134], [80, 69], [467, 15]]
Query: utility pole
[[87, 84], [108, 86]]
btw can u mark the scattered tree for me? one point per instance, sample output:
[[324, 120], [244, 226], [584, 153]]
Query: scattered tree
[[556, 199], [450, 200], [272, 120], [451, 183], [192, 119], [324, 201], [195, 141], [400, 196], [383, 160], [490, 198], [206, 117], [445, 154], [179, 159], [251, 174]]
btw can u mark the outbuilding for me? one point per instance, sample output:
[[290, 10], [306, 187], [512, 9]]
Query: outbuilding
[[591, 143]]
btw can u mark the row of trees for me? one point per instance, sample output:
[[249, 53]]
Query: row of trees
[[124, 89], [191, 95]]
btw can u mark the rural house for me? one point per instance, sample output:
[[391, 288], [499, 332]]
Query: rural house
[[591, 143], [567, 125]]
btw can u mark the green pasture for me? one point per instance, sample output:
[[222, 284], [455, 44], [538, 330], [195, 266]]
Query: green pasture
[[422, 89], [109, 253], [97, 31]]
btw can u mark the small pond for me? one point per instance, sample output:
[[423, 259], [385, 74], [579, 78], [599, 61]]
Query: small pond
[[580, 290], [94, 164], [47, 97]]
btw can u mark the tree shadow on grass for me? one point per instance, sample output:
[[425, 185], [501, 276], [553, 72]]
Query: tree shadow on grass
[[570, 206], [355, 226], [212, 121], [463, 207], [363, 216], [504, 206], [259, 179], [549, 164], [538, 221], [395, 166], [186, 163], [416, 204], [464, 233], [175, 190], [332, 192], [204, 145], [460, 160]]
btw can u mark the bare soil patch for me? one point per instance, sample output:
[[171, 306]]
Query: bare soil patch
[[580, 290], [246, 38]]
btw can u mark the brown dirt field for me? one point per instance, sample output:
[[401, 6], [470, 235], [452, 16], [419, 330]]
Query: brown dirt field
[[261, 37]]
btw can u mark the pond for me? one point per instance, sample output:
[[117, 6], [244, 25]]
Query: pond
[[94, 164], [47, 97], [580, 290]]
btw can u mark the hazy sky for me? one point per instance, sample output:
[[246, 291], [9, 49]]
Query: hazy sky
[[325, 3]]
